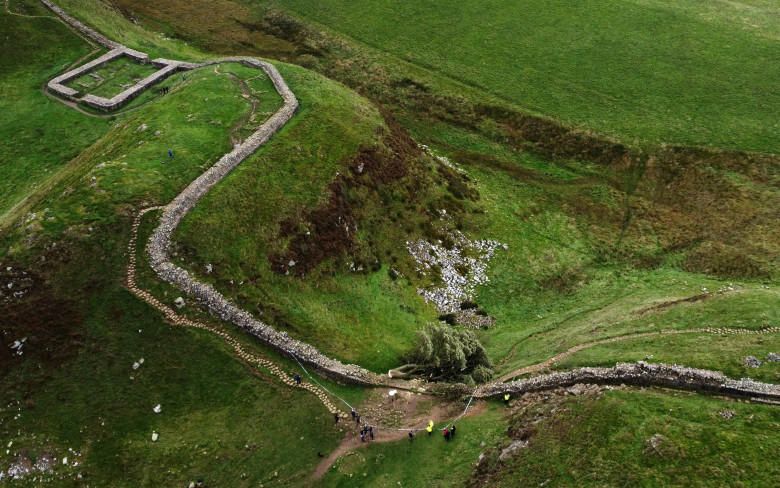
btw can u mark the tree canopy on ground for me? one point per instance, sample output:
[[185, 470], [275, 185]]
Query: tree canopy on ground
[[446, 353]]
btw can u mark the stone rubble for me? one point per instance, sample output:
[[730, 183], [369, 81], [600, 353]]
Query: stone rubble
[[457, 287], [655, 441], [751, 362], [506, 453]]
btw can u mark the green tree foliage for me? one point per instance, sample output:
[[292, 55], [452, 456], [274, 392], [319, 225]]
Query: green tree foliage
[[446, 353]]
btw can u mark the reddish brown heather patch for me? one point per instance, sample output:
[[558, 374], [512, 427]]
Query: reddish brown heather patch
[[331, 230], [49, 322]]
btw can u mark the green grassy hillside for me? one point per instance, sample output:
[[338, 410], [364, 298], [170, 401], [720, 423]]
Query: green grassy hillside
[[74, 386], [604, 238], [40, 136], [638, 438], [657, 71]]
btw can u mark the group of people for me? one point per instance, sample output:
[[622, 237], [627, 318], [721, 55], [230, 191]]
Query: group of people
[[367, 430], [164, 90], [448, 432]]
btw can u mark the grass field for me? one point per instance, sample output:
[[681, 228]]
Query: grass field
[[112, 78], [667, 72], [605, 441], [74, 386], [40, 135], [598, 246]]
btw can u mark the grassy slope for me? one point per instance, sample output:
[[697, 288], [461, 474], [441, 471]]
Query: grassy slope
[[86, 400], [667, 72], [151, 184], [572, 250], [425, 462], [605, 442], [40, 135], [235, 228]]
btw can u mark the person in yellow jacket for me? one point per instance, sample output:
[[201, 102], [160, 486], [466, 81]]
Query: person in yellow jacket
[[430, 427], [506, 399]]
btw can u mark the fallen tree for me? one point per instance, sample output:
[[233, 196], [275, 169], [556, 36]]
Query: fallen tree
[[445, 353]]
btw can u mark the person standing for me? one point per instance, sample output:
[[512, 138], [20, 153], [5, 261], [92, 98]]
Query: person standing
[[170, 153], [336, 416], [371, 432], [506, 399], [446, 434], [411, 436], [452, 432], [297, 378]]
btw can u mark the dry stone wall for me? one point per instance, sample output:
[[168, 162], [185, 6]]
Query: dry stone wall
[[159, 245], [103, 41], [640, 373]]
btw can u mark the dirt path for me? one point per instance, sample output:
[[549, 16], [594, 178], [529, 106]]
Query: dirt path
[[408, 411], [237, 139]]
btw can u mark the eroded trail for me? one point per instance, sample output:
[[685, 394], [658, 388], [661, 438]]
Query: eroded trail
[[404, 411]]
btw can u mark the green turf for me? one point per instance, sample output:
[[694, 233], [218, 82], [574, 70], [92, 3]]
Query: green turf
[[40, 135], [349, 314], [605, 441], [652, 71], [590, 247], [112, 78], [426, 461]]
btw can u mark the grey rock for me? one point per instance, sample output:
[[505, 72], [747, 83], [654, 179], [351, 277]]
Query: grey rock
[[751, 362]]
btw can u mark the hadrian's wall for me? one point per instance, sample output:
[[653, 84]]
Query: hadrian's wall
[[103, 41], [159, 245], [640, 373]]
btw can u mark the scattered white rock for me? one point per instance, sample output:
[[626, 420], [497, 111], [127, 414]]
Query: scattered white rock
[[179, 302], [751, 362], [157, 409], [457, 286], [142, 127], [154, 436]]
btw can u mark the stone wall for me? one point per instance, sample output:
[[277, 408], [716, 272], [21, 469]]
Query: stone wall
[[120, 100], [103, 41], [174, 212], [159, 245], [641, 373]]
